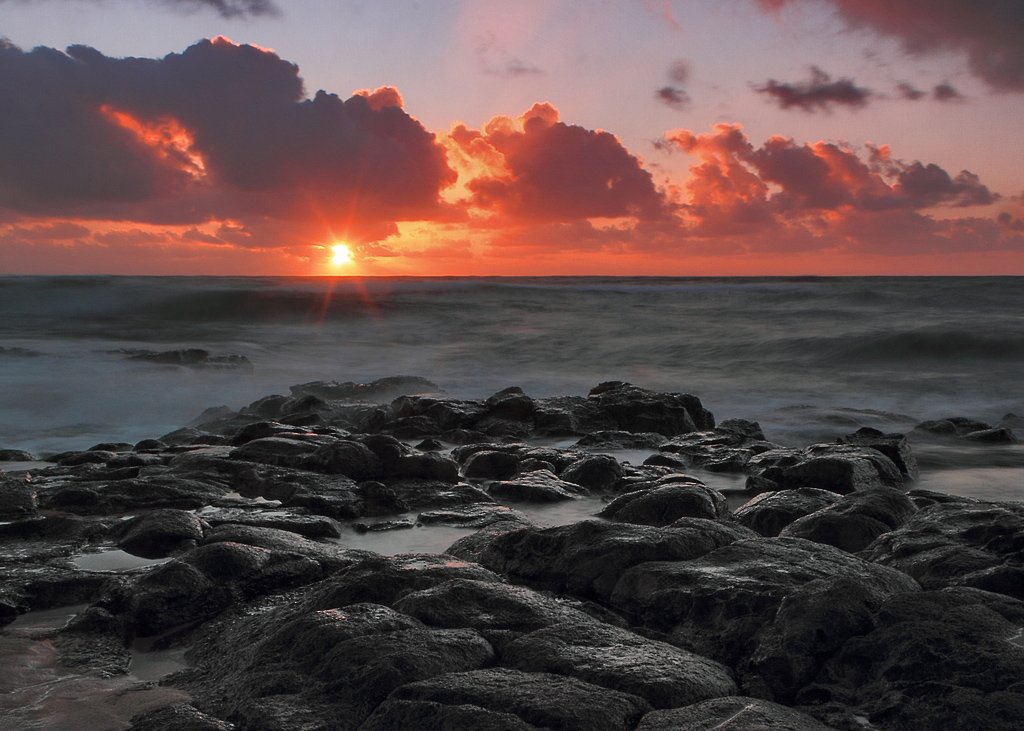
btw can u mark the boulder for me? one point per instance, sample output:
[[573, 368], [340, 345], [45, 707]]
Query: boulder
[[735, 713], [839, 468], [769, 512], [491, 465], [893, 446], [597, 472], [538, 700], [17, 499], [538, 486], [855, 520], [664, 505], [614, 658], [160, 533]]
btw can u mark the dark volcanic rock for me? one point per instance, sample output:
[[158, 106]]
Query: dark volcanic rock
[[179, 717], [160, 533], [618, 659], [664, 505], [491, 465], [893, 446], [598, 472], [142, 493], [947, 659], [621, 440], [839, 468], [16, 455], [17, 499], [959, 543], [539, 486], [716, 605], [727, 448], [855, 520], [379, 391], [625, 407], [541, 700], [473, 516], [587, 558], [736, 713], [192, 358], [770, 512]]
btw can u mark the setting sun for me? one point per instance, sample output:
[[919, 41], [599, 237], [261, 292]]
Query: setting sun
[[340, 254]]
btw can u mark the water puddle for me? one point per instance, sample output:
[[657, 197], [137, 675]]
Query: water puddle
[[983, 483], [114, 560], [38, 694]]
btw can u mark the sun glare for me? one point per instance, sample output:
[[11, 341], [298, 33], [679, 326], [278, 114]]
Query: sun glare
[[340, 255]]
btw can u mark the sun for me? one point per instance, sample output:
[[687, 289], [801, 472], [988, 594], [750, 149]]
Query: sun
[[340, 255]]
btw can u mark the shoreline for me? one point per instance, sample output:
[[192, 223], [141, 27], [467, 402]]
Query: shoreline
[[807, 596]]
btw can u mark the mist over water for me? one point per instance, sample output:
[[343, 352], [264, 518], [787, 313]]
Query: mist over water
[[810, 358]]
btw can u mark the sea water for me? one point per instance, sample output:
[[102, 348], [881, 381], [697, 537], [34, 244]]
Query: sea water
[[809, 358]]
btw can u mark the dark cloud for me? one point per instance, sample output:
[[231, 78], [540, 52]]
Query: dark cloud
[[217, 131], [679, 71], [819, 93], [946, 92], [225, 8], [673, 96], [988, 31], [910, 92], [542, 169]]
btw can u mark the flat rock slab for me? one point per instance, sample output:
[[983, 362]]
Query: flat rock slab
[[541, 700], [737, 713], [618, 659]]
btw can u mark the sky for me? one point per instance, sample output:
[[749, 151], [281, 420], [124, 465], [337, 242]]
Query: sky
[[541, 137]]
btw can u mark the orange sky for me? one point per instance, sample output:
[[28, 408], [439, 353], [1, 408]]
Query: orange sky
[[219, 159]]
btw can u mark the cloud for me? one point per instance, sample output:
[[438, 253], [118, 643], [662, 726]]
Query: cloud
[[946, 92], [495, 60], [225, 8], [819, 93], [219, 131], [783, 195], [989, 32], [908, 91], [539, 168], [673, 96]]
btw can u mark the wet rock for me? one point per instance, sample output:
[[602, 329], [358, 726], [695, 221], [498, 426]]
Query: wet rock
[[598, 472], [424, 494], [430, 445], [839, 468], [511, 404], [385, 579], [73, 459], [283, 451], [587, 558], [540, 700], [149, 444], [423, 466], [381, 390], [16, 455], [142, 493], [622, 406], [893, 446], [348, 458], [717, 604], [311, 526], [958, 543], [937, 659], [618, 659], [736, 713], [262, 430], [17, 499], [617, 439], [486, 606], [727, 448], [539, 486], [160, 533], [997, 435], [192, 358], [954, 426], [664, 505], [491, 465], [331, 556], [178, 717], [383, 525], [855, 520], [473, 516], [770, 512]]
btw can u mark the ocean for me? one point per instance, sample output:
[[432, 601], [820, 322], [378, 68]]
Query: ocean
[[809, 358]]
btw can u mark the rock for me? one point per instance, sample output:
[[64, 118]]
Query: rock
[[430, 445], [617, 439], [348, 458], [770, 512], [381, 390], [893, 446], [178, 717], [383, 525], [855, 520], [736, 713], [473, 516], [311, 526], [618, 659], [958, 543], [142, 493], [997, 435], [626, 407], [17, 499], [839, 468], [486, 606], [587, 558], [491, 465], [727, 448], [540, 700], [936, 659], [664, 505], [160, 533], [511, 404], [262, 430], [716, 605], [749, 430], [384, 580], [16, 455], [598, 472], [953, 426], [192, 358], [423, 466], [539, 486]]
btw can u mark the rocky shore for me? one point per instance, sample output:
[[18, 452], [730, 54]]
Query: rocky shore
[[823, 591]]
